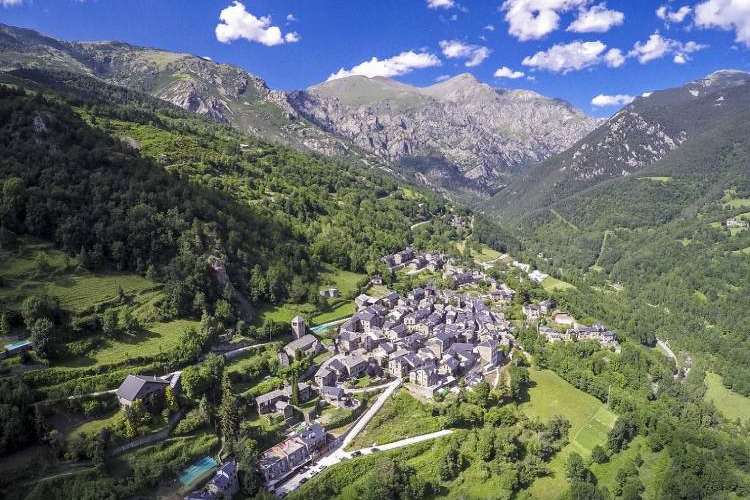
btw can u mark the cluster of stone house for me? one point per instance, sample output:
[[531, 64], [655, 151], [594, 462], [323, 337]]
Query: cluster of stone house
[[279, 401], [414, 261], [534, 312], [429, 337], [299, 448], [400, 259], [224, 485], [597, 332]]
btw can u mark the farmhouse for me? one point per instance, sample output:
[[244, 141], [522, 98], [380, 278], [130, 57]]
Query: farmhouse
[[145, 388]]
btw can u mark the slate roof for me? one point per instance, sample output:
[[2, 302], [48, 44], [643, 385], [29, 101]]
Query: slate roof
[[225, 475], [134, 386], [301, 343]]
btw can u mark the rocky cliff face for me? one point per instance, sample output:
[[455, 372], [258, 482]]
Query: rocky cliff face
[[462, 124], [655, 124], [459, 135]]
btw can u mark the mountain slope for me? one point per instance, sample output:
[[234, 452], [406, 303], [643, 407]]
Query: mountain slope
[[660, 247], [641, 134], [222, 92], [458, 136], [461, 130]]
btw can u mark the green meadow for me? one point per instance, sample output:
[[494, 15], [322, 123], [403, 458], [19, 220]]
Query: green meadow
[[590, 422]]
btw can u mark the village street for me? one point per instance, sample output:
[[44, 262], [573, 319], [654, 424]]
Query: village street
[[338, 454]]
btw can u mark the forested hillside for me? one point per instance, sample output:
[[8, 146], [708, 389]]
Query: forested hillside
[[655, 251]]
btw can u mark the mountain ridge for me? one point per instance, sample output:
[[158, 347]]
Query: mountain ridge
[[454, 144]]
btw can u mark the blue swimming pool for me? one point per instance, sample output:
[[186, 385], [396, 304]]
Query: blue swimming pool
[[198, 469], [16, 344], [325, 326]]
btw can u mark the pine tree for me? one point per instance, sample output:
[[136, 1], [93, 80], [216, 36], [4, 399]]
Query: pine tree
[[229, 417], [4, 325], [295, 389]]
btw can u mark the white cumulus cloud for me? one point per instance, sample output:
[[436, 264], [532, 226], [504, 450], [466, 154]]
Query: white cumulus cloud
[[456, 49], [658, 46], [726, 15], [596, 19], [441, 4], [614, 58], [236, 22], [291, 18], [489, 27], [398, 65], [574, 56], [603, 100], [506, 72], [673, 16], [533, 19], [10, 3]]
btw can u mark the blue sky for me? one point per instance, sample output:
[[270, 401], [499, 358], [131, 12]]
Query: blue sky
[[572, 49]]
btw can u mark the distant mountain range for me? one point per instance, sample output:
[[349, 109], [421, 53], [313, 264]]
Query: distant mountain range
[[645, 136], [459, 135]]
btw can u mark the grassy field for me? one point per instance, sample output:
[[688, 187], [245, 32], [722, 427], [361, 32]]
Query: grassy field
[[651, 471], [377, 291], [590, 421], [345, 281], [663, 180], [485, 253], [93, 427], [37, 268], [156, 339], [729, 403], [283, 313], [731, 200], [401, 417], [344, 310], [552, 285]]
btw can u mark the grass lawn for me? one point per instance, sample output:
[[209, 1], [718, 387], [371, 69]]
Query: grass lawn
[[344, 310], [158, 338], [731, 404], [485, 254], [590, 422], [402, 416], [37, 268], [283, 313], [551, 285], [93, 427], [377, 291], [345, 281]]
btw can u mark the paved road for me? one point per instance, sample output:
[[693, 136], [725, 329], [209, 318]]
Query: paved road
[[404, 442], [338, 454], [236, 352], [366, 389]]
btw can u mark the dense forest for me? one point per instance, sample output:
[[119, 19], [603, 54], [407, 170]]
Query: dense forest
[[656, 252]]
